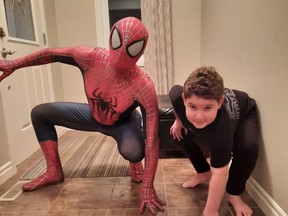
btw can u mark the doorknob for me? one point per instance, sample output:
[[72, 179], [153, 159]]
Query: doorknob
[[5, 52]]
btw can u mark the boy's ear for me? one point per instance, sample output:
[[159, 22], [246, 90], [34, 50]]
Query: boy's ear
[[183, 97], [221, 102]]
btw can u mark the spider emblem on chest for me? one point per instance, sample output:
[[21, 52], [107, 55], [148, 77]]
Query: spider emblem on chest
[[104, 105]]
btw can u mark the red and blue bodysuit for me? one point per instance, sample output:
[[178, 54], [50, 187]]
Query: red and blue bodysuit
[[115, 86]]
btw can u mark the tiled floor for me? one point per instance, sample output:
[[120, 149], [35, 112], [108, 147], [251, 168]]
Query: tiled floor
[[113, 196]]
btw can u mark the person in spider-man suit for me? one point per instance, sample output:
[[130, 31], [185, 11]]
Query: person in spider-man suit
[[115, 86]]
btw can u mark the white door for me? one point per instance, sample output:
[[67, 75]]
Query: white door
[[24, 25]]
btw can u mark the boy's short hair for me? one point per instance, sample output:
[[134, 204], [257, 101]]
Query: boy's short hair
[[204, 82]]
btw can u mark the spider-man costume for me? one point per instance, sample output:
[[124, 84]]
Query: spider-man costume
[[114, 86]]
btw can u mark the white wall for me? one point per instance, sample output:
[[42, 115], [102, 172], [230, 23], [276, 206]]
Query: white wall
[[5, 152], [52, 41], [76, 25], [186, 37], [247, 41]]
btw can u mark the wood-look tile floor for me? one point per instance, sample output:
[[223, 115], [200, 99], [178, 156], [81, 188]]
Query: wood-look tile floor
[[113, 196]]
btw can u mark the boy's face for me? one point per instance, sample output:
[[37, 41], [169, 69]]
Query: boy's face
[[201, 112]]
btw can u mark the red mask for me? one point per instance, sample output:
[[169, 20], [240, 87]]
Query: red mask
[[128, 39]]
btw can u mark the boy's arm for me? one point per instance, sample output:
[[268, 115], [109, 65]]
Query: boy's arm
[[176, 128], [216, 191], [176, 99]]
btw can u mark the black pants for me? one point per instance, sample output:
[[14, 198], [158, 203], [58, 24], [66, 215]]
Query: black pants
[[245, 153], [127, 133]]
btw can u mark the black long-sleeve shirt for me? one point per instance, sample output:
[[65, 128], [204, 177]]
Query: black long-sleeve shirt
[[219, 135]]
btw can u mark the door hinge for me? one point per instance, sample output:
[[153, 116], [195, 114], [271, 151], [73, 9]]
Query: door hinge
[[44, 39], [2, 32]]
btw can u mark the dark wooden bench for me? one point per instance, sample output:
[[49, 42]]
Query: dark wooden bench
[[168, 147]]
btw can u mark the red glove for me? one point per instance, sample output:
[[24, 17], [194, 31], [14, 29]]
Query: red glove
[[7, 68], [149, 198]]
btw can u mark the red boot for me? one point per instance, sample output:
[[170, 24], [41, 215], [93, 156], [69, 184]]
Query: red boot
[[137, 172], [54, 172]]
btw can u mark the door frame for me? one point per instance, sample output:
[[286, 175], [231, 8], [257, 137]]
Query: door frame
[[102, 23]]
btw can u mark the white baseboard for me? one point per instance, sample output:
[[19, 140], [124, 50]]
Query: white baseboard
[[7, 171], [263, 200]]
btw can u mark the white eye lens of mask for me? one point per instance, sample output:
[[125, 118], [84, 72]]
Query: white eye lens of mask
[[135, 48], [115, 39]]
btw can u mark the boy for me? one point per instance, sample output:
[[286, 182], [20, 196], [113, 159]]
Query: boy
[[225, 121]]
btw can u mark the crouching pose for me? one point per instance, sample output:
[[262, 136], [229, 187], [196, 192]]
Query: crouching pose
[[224, 121], [114, 86]]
